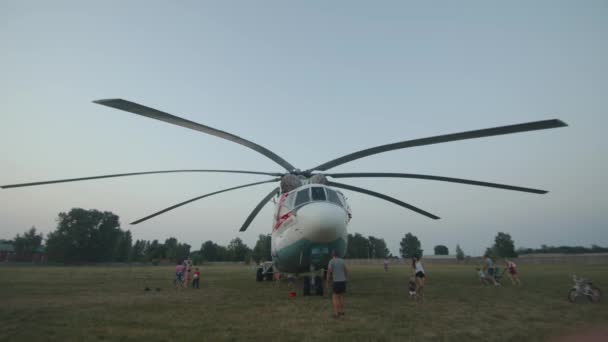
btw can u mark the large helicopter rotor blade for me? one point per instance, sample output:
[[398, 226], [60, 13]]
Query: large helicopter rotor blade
[[152, 113], [257, 209], [199, 197], [524, 127], [134, 174], [384, 197], [436, 178]]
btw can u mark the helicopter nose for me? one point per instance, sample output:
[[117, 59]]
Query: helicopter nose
[[322, 221]]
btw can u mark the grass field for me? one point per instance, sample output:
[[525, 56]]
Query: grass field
[[109, 303]]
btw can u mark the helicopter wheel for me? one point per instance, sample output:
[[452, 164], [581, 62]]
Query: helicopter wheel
[[318, 286], [595, 295], [306, 286]]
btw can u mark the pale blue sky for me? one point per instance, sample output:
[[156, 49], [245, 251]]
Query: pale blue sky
[[310, 80]]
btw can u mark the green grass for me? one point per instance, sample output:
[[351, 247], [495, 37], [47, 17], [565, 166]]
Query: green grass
[[108, 303]]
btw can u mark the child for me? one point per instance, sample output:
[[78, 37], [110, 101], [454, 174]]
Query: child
[[196, 279], [482, 277], [511, 267], [412, 287]]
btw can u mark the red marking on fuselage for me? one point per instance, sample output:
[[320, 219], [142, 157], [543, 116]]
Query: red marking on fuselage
[[283, 218]]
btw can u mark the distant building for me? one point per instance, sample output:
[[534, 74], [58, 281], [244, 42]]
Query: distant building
[[7, 251]]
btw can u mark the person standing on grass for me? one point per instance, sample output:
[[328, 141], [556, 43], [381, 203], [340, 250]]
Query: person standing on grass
[[511, 268], [385, 264], [196, 279], [420, 276], [179, 275], [337, 270], [188, 270]]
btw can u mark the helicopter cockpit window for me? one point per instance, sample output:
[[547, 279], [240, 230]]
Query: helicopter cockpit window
[[302, 197], [332, 196], [318, 194]]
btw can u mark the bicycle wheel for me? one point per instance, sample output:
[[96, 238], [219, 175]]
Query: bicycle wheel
[[595, 294], [572, 295]]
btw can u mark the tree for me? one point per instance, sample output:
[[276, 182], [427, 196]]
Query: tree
[[223, 254], [410, 246], [504, 246], [210, 251], [182, 251], [459, 253], [26, 245], [377, 248], [171, 249], [123, 247], [139, 250], [441, 250], [84, 236], [358, 246], [238, 250], [261, 251], [155, 251]]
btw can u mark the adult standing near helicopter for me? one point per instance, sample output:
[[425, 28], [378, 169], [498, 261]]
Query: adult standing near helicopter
[[337, 269]]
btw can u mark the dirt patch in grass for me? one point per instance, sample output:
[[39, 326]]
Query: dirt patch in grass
[[589, 334]]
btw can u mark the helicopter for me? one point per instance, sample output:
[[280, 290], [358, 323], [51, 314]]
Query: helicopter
[[311, 213]]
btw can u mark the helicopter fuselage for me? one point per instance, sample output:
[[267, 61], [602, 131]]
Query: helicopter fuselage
[[309, 224]]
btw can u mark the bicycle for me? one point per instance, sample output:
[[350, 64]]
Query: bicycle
[[584, 287]]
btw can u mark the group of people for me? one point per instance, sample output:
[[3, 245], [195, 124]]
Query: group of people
[[185, 277], [337, 272], [488, 273]]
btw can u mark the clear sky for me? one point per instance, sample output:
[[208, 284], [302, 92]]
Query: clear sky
[[310, 80]]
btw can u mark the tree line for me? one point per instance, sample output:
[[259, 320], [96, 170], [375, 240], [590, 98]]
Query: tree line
[[544, 249], [95, 236]]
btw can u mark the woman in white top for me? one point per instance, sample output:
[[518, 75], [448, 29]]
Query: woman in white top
[[420, 275]]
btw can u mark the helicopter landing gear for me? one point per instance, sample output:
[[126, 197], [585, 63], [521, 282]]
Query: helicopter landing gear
[[313, 284]]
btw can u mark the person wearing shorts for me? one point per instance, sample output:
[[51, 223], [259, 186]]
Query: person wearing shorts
[[337, 271], [420, 276]]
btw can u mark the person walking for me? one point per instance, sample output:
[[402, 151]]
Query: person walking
[[336, 270]]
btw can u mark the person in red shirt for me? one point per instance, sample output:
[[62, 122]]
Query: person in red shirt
[[196, 279], [513, 274]]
